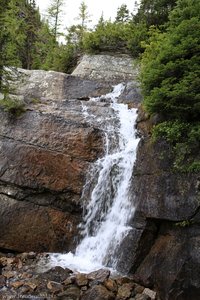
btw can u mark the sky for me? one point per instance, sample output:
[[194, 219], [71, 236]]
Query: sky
[[95, 9]]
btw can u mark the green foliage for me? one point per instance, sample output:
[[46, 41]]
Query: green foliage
[[12, 105], [170, 70], [14, 24], [154, 12], [3, 8], [137, 37], [21, 24], [107, 36], [184, 223], [54, 16], [62, 59], [123, 14], [171, 83], [173, 131], [185, 140]]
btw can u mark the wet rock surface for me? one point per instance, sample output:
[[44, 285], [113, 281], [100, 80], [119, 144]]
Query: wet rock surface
[[21, 278], [45, 154], [165, 235], [44, 157]]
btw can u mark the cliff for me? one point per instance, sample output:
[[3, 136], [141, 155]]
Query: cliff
[[45, 155], [165, 242], [44, 158]]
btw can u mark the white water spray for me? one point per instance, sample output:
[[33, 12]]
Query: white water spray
[[109, 210]]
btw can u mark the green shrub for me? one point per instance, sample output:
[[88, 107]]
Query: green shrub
[[170, 67], [107, 36], [185, 140], [12, 105]]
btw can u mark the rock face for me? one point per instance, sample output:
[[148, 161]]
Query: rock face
[[164, 244], [45, 155], [106, 67]]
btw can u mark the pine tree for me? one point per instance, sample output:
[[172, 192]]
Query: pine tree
[[33, 25], [154, 12], [84, 18], [3, 8], [123, 14], [15, 31], [54, 15], [171, 66]]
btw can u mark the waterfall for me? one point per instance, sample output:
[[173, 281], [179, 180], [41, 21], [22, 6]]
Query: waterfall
[[109, 209]]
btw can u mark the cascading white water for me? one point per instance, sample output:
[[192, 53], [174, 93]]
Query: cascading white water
[[109, 210]]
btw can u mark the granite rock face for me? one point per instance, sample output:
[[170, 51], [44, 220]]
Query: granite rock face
[[42, 85], [45, 155], [163, 245], [107, 68]]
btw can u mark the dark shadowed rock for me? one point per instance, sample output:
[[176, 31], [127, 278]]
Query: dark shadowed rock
[[176, 251], [99, 275], [98, 292], [57, 274], [131, 94], [165, 235], [71, 292], [38, 85], [2, 281]]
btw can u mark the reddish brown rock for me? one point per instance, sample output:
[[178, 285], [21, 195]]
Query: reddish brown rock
[[124, 291], [31, 285], [81, 279], [36, 228], [17, 284], [111, 285], [44, 158]]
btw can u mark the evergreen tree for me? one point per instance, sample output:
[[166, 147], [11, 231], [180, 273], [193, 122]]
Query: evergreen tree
[[84, 19], [3, 8], [21, 22], [171, 66], [123, 14], [33, 25], [154, 12], [15, 31], [45, 46], [54, 15]]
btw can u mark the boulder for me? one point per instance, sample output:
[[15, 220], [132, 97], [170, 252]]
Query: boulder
[[107, 68], [98, 292]]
